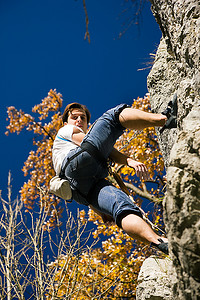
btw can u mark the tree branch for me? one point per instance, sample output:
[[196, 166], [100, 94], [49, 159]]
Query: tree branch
[[87, 35], [144, 194]]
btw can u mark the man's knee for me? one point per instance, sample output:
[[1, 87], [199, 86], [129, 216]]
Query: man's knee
[[124, 214]]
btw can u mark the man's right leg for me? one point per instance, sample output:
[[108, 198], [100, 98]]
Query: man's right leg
[[137, 228], [109, 200]]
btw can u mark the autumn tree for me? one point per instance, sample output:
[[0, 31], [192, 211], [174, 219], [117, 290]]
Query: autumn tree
[[39, 163], [110, 271], [26, 251]]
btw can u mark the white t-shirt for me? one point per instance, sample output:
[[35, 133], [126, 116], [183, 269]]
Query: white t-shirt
[[62, 145]]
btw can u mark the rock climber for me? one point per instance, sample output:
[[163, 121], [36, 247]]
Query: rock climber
[[81, 158]]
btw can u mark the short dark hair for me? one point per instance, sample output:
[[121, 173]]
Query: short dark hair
[[72, 106]]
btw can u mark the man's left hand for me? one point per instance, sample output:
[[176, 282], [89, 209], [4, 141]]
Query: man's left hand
[[140, 168]]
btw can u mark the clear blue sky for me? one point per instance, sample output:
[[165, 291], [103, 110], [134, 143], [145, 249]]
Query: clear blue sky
[[43, 48]]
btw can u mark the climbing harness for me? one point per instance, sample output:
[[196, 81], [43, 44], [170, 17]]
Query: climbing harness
[[60, 186], [92, 150]]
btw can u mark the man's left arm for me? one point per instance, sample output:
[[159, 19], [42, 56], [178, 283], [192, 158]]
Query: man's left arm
[[122, 159]]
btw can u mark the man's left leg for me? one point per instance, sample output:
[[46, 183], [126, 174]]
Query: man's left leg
[[137, 119]]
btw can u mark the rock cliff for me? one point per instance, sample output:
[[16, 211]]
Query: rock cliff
[[154, 280], [177, 69]]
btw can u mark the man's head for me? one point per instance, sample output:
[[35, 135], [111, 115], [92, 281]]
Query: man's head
[[76, 114]]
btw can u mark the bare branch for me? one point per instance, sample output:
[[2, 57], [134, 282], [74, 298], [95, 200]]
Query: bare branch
[[87, 35]]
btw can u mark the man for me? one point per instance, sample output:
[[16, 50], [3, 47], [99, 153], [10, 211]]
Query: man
[[81, 159]]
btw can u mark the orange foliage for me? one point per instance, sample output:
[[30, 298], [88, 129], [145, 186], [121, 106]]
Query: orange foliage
[[97, 278], [39, 162], [109, 272]]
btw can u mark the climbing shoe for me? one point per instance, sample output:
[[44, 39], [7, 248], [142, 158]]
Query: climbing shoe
[[171, 113], [162, 246]]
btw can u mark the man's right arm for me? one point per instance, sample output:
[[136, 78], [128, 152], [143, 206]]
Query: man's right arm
[[77, 136]]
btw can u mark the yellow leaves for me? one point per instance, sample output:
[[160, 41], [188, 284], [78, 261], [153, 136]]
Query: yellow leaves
[[53, 102], [82, 216], [95, 277], [39, 162], [110, 272], [18, 120]]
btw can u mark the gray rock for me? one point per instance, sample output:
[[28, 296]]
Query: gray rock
[[153, 280], [177, 69]]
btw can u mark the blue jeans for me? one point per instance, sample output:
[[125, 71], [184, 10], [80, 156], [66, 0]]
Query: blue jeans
[[87, 176]]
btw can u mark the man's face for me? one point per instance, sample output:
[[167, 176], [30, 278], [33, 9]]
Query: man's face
[[78, 118]]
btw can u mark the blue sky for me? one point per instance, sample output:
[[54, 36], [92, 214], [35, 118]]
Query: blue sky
[[43, 48]]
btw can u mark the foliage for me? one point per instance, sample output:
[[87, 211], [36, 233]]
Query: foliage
[[39, 163], [111, 271]]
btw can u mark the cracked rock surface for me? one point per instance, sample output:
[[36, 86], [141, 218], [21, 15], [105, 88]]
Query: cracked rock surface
[[177, 69]]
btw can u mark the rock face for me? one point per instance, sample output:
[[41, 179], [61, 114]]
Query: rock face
[[154, 280], [177, 69]]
